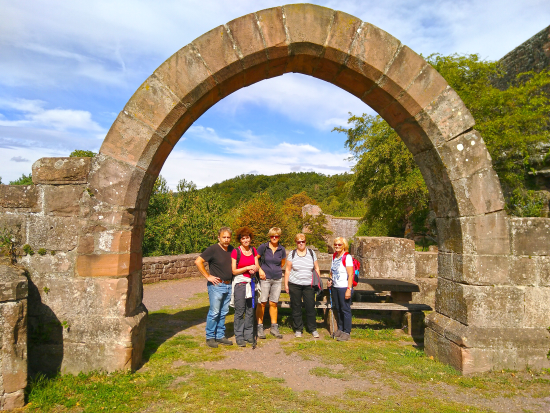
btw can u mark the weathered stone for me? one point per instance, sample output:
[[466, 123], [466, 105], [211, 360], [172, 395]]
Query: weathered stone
[[479, 193], [529, 236], [61, 171], [13, 332], [426, 295], [157, 268], [63, 200], [537, 307], [248, 40], [14, 400], [53, 233], [18, 196], [474, 269], [107, 265], [523, 271], [13, 283], [272, 26], [425, 264]]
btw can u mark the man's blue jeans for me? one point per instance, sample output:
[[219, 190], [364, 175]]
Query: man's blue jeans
[[220, 296]]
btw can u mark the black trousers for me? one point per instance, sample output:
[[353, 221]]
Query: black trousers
[[297, 294]]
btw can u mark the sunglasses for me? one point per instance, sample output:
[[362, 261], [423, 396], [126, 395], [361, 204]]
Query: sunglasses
[[300, 242], [274, 236], [338, 245]]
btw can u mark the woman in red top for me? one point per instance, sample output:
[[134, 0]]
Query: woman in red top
[[246, 267]]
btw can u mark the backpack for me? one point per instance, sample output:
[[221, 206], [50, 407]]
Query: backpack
[[316, 281], [356, 266]]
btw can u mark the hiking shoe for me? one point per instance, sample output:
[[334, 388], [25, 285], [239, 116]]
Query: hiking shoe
[[298, 334], [344, 337], [315, 334], [274, 330], [224, 341], [337, 333], [211, 342], [241, 343], [249, 340], [261, 333]]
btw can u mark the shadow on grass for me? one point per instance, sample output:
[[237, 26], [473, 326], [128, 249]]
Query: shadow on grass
[[162, 326]]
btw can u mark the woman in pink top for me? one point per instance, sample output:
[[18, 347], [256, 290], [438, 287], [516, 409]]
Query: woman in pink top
[[244, 263]]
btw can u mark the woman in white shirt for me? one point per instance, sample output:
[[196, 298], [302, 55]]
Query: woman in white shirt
[[341, 283], [299, 266]]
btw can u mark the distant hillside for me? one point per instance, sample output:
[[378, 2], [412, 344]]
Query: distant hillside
[[329, 191]]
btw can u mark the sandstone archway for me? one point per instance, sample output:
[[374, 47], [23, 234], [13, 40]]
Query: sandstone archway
[[480, 312]]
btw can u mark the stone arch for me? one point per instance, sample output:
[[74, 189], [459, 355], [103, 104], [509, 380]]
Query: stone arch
[[368, 63]]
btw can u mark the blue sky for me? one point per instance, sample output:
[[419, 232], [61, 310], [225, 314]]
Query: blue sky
[[68, 67]]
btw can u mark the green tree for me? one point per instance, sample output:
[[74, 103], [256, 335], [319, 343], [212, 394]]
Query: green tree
[[513, 123], [317, 231], [23, 180], [81, 153], [181, 222]]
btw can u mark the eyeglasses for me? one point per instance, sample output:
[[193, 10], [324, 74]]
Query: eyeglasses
[[300, 242], [274, 236], [338, 245]]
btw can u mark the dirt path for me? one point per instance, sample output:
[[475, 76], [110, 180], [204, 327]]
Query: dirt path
[[297, 372]]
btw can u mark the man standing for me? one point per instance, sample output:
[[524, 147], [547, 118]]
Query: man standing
[[219, 279]]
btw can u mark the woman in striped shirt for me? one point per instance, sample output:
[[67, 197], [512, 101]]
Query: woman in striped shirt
[[299, 266]]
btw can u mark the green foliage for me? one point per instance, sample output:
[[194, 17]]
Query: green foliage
[[181, 222], [260, 214], [27, 249], [42, 251], [23, 180], [317, 231], [386, 176], [46, 290], [81, 153], [513, 123]]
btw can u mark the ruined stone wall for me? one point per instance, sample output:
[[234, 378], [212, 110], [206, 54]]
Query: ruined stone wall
[[345, 227], [170, 267], [52, 217], [13, 336]]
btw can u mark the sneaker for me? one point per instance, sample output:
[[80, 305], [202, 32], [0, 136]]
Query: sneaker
[[241, 343], [337, 333], [274, 330], [261, 333], [224, 341], [211, 342], [344, 337], [315, 334], [297, 334]]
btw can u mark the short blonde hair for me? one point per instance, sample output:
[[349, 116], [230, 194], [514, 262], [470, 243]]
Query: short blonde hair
[[274, 231], [343, 241], [299, 237]]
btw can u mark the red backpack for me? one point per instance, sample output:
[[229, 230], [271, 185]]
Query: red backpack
[[356, 266]]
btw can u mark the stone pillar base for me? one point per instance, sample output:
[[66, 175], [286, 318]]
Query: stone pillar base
[[472, 349]]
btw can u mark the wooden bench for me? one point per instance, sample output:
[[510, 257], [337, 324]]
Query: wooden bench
[[410, 315]]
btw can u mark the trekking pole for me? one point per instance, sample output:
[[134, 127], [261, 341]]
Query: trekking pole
[[331, 316], [255, 323]]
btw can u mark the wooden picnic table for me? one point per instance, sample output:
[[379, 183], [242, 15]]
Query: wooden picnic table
[[410, 314]]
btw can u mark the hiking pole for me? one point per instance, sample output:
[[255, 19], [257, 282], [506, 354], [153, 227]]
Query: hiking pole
[[255, 323], [331, 316]]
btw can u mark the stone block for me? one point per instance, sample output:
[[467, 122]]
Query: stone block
[[356, 84], [442, 194], [426, 295], [19, 196], [13, 316], [479, 194], [414, 136], [308, 28], [537, 307], [13, 283], [61, 264], [465, 155], [107, 265], [248, 40], [530, 236], [481, 306], [131, 141], [406, 67], [53, 232], [273, 31], [385, 248], [474, 269], [543, 271], [16, 225], [424, 89], [14, 400], [446, 117], [115, 182], [372, 52], [394, 113], [220, 56], [523, 271], [63, 200], [483, 234], [61, 171], [425, 264], [442, 349]]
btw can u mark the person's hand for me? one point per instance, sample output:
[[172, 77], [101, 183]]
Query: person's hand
[[286, 287], [348, 294], [252, 269], [262, 274], [214, 280]]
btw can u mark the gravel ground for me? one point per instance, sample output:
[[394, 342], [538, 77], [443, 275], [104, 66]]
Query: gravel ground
[[172, 294]]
